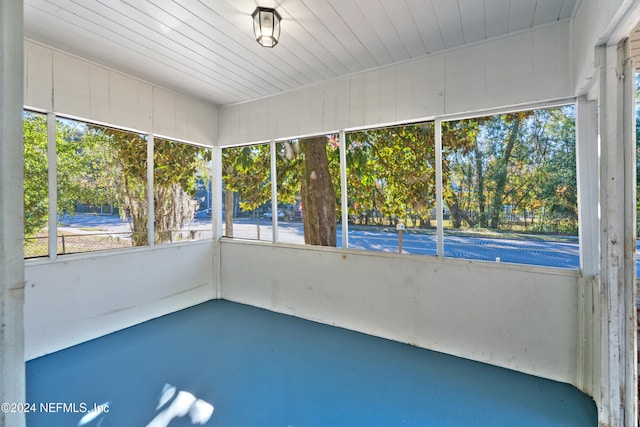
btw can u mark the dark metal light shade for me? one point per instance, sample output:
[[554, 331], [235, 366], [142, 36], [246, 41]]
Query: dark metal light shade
[[266, 26]]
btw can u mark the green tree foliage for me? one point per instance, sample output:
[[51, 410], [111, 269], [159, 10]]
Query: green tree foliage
[[391, 174], [461, 139], [246, 171], [109, 166], [99, 166], [177, 167], [74, 170], [36, 198], [119, 172], [308, 173], [516, 168]]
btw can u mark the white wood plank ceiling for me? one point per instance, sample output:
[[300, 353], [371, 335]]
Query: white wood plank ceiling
[[206, 49]]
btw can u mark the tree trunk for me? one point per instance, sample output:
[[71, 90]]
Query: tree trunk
[[318, 194], [501, 174], [228, 212]]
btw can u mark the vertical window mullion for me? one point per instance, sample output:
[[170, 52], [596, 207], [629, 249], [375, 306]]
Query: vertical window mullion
[[150, 198], [52, 158], [274, 192], [343, 186], [216, 190], [439, 202]]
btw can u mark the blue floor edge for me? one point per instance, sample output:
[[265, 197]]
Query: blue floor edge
[[260, 368]]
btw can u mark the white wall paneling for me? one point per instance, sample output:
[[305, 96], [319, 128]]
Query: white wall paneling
[[464, 84], [486, 75], [596, 22], [330, 107], [549, 68], [424, 301], [71, 86], [388, 95], [101, 94], [145, 110], [38, 81], [428, 85], [81, 297], [357, 100], [164, 111], [123, 102], [404, 90], [508, 67], [372, 97]]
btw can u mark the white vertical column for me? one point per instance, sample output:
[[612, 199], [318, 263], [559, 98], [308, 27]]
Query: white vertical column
[[274, 192], [630, 352], [617, 358], [589, 233], [216, 213], [439, 203], [344, 199], [150, 199], [588, 186], [216, 190], [12, 372], [52, 181]]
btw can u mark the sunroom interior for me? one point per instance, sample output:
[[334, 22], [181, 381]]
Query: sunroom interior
[[192, 72]]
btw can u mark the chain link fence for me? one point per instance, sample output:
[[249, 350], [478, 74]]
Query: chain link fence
[[35, 247]]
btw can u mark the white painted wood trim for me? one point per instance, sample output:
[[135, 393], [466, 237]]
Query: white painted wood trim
[[53, 185], [439, 202], [216, 217], [12, 367], [589, 232], [150, 199], [274, 192], [588, 185], [617, 400], [344, 199], [630, 197]]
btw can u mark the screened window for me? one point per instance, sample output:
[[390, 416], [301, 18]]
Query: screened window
[[181, 192], [102, 188], [36, 185], [391, 185], [308, 172], [246, 173], [510, 189]]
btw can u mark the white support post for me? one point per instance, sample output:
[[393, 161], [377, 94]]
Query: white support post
[[274, 192], [216, 212], [52, 181], [589, 230], [630, 232], [12, 368], [588, 186], [344, 199], [439, 203], [618, 371], [150, 199]]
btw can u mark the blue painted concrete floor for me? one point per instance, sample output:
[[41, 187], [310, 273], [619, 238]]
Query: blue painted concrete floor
[[259, 368]]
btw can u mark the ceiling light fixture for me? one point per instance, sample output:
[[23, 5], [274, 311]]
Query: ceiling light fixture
[[266, 26]]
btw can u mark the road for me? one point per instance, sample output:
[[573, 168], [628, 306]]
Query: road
[[534, 251]]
